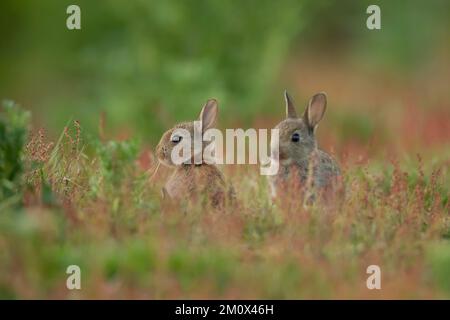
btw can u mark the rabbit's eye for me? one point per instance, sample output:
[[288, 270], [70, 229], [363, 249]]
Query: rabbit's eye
[[176, 139], [295, 137]]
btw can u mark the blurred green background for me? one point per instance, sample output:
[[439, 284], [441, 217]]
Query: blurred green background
[[147, 64]]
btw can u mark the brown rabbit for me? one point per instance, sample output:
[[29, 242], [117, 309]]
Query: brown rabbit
[[299, 157], [189, 180]]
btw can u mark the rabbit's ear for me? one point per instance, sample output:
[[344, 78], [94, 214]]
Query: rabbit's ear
[[315, 110], [208, 115], [290, 108]]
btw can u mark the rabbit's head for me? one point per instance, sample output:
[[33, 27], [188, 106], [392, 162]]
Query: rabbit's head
[[174, 137], [296, 134]]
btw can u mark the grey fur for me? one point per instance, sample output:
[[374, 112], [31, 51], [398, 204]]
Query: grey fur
[[303, 160]]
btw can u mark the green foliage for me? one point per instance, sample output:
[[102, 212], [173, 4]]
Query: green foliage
[[116, 161], [135, 260], [150, 63], [190, 267], [258, 227], [439, 259], [117, 179], [13, 134], [150, 60], [251, 251], [356, 127]]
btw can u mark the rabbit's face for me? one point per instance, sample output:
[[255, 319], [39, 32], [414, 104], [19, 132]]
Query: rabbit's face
[[182, 137], [296, 134], [172, 138], [296, 141]]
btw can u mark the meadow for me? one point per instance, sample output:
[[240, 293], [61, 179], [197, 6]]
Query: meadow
[[77, 183], [88, 201]]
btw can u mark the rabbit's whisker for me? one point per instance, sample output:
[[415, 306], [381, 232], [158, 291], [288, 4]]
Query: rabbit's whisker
[[155, 171]]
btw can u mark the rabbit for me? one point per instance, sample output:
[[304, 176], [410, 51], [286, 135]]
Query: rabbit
[[299, 158], [190, 180]]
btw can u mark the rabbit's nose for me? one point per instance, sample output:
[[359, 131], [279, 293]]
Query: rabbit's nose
[[282, 155]]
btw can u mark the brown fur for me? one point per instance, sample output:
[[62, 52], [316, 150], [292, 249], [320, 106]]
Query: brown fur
[[193, 181]]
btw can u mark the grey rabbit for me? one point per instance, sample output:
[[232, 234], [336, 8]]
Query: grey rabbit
[[300, 159]]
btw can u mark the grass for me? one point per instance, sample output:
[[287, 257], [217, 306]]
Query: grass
[[89, 202]]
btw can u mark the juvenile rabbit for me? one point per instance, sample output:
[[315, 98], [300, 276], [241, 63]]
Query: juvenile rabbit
[[300, 160], [189, 180]]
